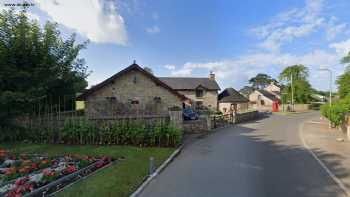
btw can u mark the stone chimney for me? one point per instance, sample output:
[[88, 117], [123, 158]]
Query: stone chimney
[[212, 76]]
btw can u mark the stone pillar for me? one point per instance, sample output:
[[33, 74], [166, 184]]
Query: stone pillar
[[209, 123], [176, 118]]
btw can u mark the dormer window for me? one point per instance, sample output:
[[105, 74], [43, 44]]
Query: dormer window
[[199, 92], [157, 99]]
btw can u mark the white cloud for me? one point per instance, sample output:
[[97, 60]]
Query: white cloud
[[97, 20], [184, 72], [297, 23], [153, 30], [170, 67], [334, 28], [236, 72], [342, 48]]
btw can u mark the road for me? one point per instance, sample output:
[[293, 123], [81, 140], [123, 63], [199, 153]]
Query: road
[[265, 158]]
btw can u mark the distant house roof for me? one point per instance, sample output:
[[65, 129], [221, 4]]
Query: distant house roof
[[190, 83], [230, 95], [246, 91], [268, 95], [275, 84], [126, 70]]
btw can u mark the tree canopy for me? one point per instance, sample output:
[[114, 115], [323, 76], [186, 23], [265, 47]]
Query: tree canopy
[[260, 81], [343, 80], [36, 64], [301, 86], [346, 60]]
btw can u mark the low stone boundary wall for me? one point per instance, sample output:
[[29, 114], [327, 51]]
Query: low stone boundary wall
[[345, 127], [301, 107], [195, 126], [207, 123], [247, 116]]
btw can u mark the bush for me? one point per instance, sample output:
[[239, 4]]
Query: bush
[[337, 112]]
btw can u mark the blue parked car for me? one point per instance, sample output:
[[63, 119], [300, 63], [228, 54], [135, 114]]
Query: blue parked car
[[189, 114]]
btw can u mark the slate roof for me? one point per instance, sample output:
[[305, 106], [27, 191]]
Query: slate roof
[[230, 95], [246, 91], [134, 66], [189, 83], [268, 95]]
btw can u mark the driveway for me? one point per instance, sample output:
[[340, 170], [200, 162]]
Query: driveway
[[265, 158]]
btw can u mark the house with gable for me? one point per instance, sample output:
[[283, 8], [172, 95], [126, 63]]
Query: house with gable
[[203, 92], [136, 89]]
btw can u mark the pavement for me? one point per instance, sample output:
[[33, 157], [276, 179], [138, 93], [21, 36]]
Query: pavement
[[331, 146], [263, 158]]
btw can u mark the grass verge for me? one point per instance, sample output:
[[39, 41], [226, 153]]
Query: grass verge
[[118, 180]]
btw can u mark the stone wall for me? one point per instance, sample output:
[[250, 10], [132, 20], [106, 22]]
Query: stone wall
[[247, 116], [207, 123], [195, 126], [301, 107], [345, 127]]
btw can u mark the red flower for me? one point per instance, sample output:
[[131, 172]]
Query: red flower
[[69, 170], [21, 181]]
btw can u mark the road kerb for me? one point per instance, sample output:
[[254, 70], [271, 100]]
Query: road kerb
[[329, 172]]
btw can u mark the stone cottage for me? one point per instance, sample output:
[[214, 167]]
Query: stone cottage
[[132, 90], [263, 98], [203, 92], [231, 100]]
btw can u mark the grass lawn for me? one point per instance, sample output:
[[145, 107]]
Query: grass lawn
[[121, 179]]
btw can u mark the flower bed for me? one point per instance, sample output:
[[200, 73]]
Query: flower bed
[[35, 175]]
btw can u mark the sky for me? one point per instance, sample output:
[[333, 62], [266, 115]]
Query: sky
[[234, 39]]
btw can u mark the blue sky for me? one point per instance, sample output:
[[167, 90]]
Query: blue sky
[[235, 39]]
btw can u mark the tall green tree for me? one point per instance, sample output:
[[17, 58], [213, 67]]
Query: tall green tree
[[36, 64], [261, 80], [346, 60], [343, 80], [301, 86]]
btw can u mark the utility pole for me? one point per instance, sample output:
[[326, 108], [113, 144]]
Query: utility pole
[[291, 84]]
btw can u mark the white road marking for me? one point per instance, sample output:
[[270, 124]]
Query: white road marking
[[315, 122], [329, 172]]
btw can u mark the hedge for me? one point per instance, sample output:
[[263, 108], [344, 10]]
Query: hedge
[[337, 112]]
